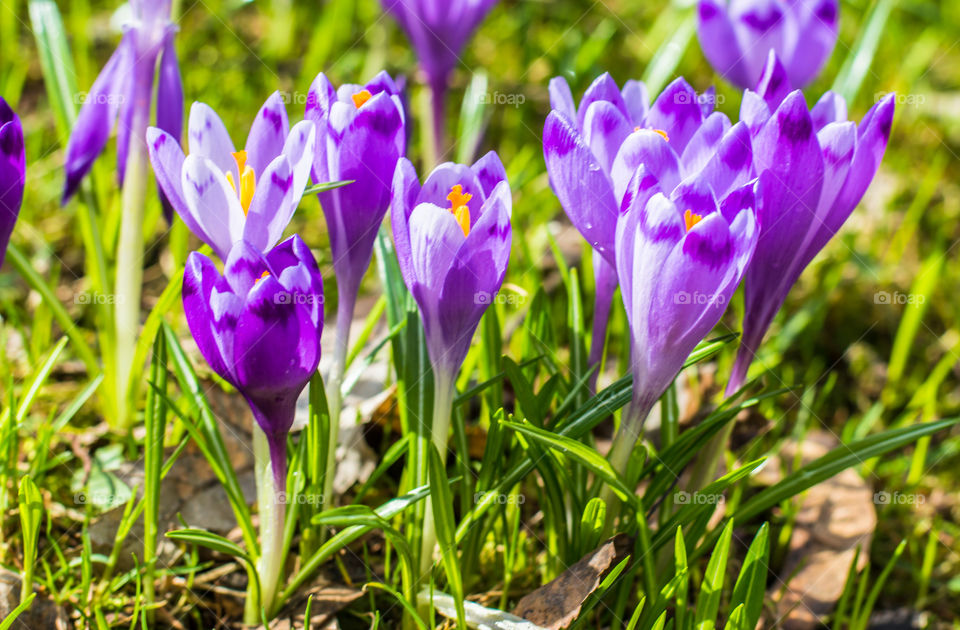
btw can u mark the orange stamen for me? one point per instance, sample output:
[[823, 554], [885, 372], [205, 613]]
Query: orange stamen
[[248, 180], [458, 207], [361, 97], [691, 219]]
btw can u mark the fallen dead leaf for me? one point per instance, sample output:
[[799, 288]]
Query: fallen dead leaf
[[836, 516], [557, 604]]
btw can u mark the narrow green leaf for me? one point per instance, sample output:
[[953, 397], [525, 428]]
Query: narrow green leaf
[[708, 601], [858, 62], [442, 502], [751, 584], [211, 541], [319, 188]]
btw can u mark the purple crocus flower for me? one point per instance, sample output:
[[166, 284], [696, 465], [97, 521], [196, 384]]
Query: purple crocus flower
[[258, 325], [13, 166], [438, 31], [593, 150], [360, 136], [736, 36], [453, 239], [680, 257], [224, 195], [814, 166], [124, 89]]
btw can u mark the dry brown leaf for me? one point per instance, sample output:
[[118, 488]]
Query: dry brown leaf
[[557, 604], [836, 516]]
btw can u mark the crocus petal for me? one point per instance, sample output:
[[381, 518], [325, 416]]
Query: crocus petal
[[719, 42], [200, 283], [440, 181], [830, 108], [585, 191], [167, 158], [272, 205], [731, 165], [637, 99], [677, 112], [267, 134], [818, 35], [656, 154], [405, 190], [299, 150], [435, 238], [489, 171], [561, 99], [12, 173], [704, 142], [208, 138], [604, 130], [97, 116], [603, 88], [774, 84], [169, 105], [212, 203]]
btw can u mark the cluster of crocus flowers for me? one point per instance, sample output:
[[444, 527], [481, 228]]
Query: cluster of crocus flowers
[[592, 151], [737, 35], [13, 168], [814, 166], [438, 30], [224, 195], [124, 91], [452, 237], [258, 325]]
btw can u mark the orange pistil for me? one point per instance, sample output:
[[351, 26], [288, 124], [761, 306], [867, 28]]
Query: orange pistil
[[459, 209], [691, 219], [248, 180], [262, 276], [361, 97]]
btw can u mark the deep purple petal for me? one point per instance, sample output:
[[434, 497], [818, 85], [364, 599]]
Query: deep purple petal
[[604, 129], [97, 117], [12, 173], [603, 88], [719, 42], [200, 283]]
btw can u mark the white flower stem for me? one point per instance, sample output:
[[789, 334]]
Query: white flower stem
[[443, 388], [272, 513], [334, 385], [129, 270]]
